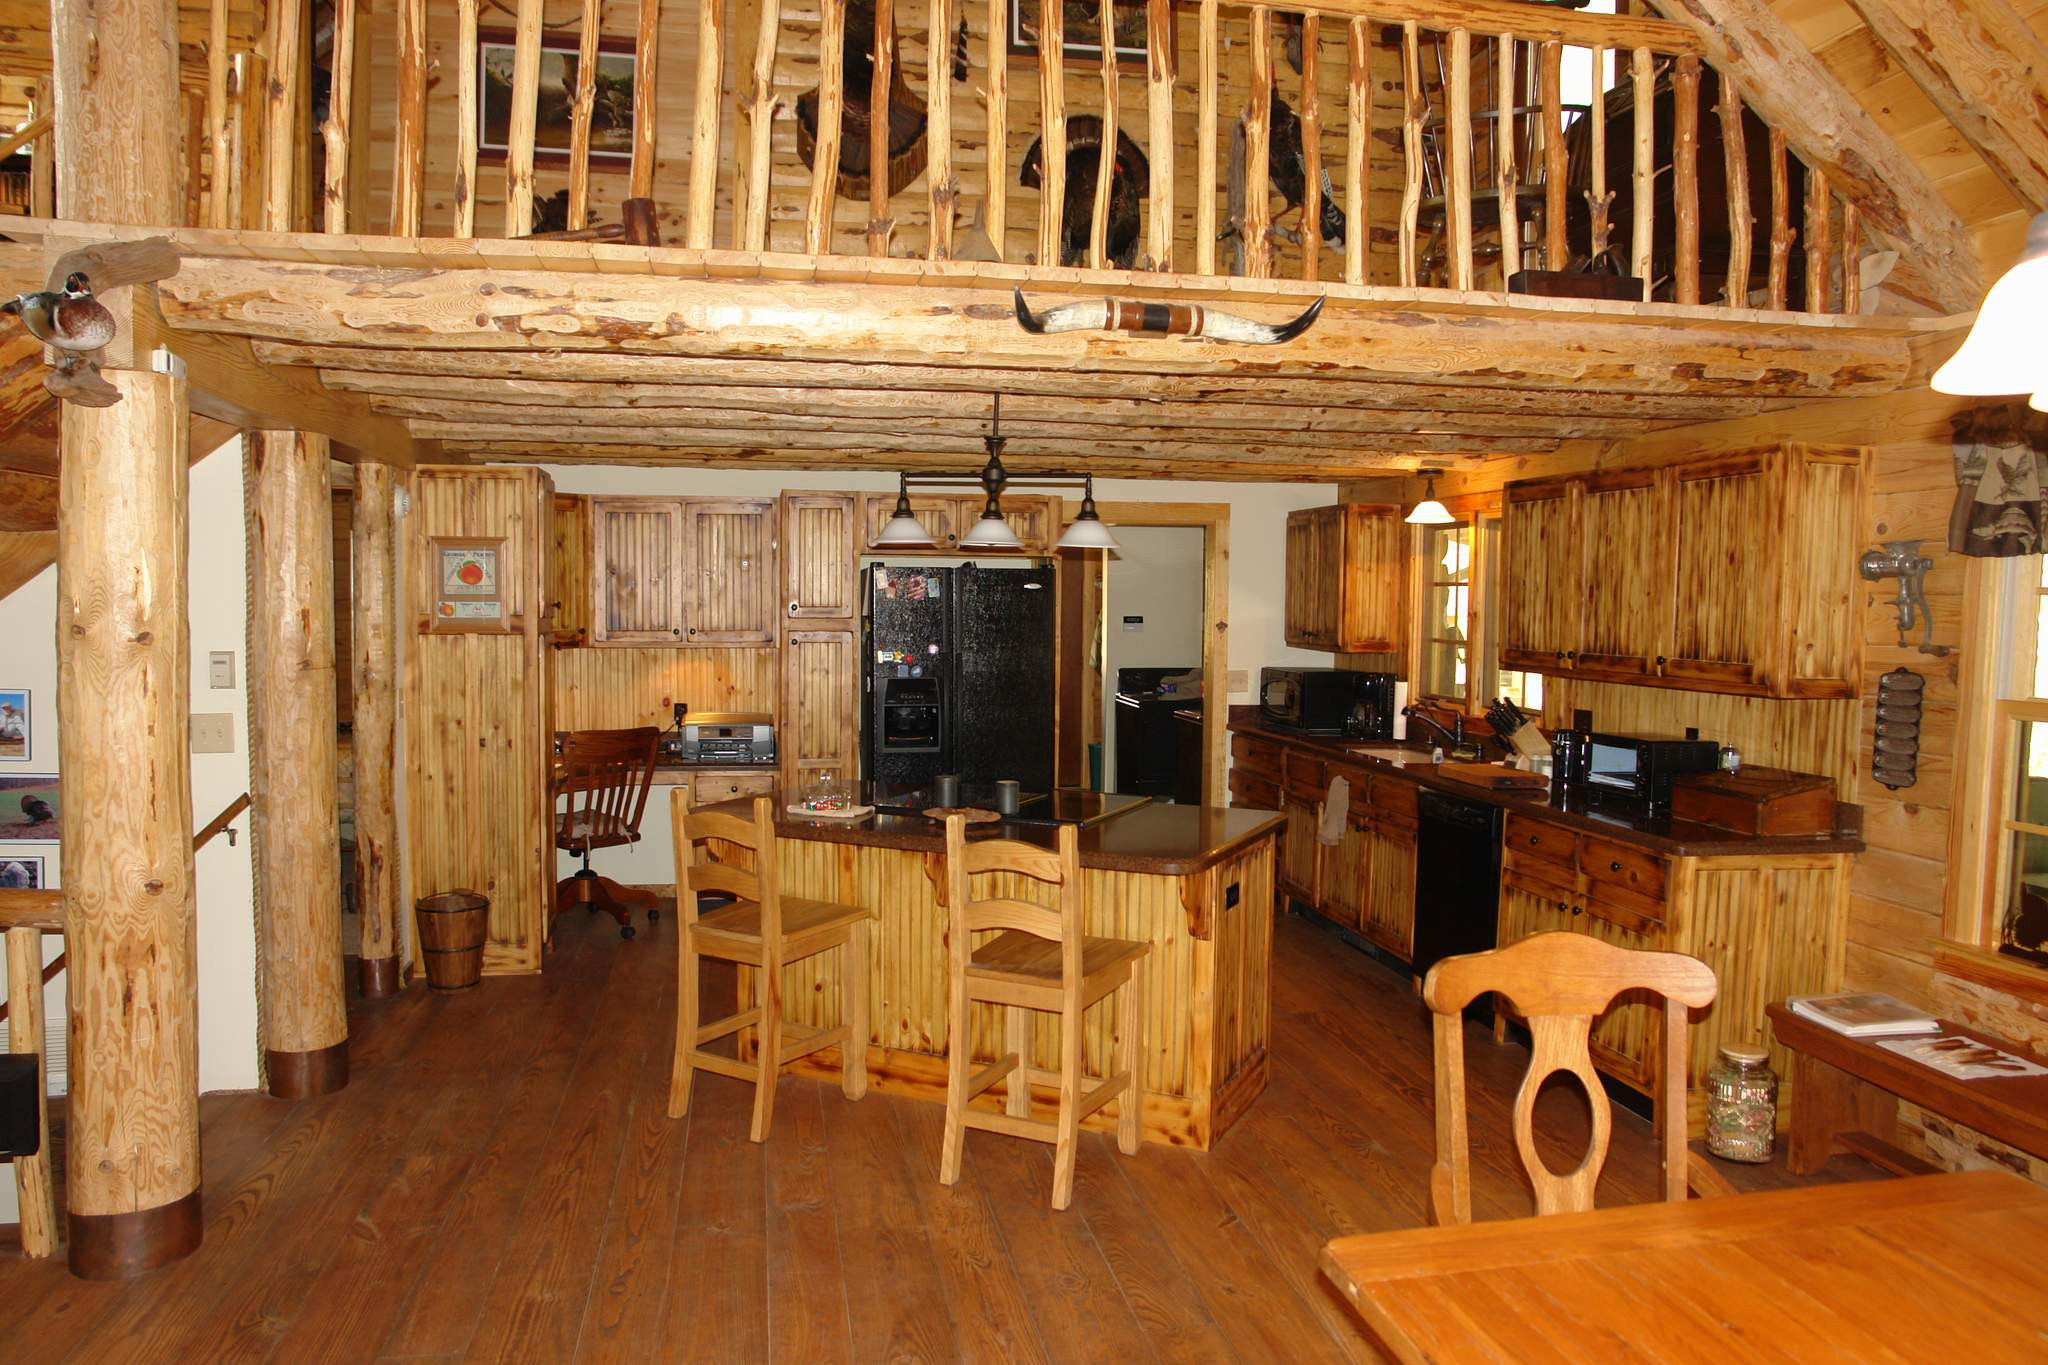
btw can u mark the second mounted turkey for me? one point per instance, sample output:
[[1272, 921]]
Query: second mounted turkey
[[1130, 180]]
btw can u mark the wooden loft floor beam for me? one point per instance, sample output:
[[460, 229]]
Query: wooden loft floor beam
[[1362, 339], [1108, 467], [1982, 66], [1792, 91]]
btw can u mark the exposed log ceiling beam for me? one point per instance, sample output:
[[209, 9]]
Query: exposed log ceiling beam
[[1179, 466], [28, 502], [1791, 90], [1366, 339], [1984, 69]]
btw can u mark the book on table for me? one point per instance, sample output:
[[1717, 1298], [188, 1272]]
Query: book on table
[[1864, 1014]]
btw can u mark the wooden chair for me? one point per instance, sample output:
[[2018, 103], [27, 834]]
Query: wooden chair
[[766, 930], [605, 774], [1559, 982], [1040, 960]]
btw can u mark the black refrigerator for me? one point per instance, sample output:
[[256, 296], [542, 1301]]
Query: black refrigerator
[[959, 675]]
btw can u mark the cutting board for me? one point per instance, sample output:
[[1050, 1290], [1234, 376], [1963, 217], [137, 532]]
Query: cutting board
[[1492, 776]]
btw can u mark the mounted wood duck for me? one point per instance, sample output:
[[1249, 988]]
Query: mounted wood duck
[[77, 325], [1130, 180]]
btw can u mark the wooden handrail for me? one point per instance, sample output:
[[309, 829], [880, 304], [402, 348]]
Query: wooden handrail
[[50, 970], [220, 822], [28, 133], [37, 909], [1494, 18]]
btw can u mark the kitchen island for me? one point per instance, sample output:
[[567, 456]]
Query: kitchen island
[[1195, 882]]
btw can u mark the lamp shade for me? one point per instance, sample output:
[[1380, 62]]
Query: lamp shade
[[1087, 532], [2003, 353], [991, 533], [1430, 512], [904, 529]]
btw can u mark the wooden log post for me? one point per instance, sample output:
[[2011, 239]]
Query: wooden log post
[[334, 129], [1685, 173], [292, 763], [521, 129], [1207, 81], [1415, 105], [831, 103], [1459, 162], [995, 192], [1599, 198], [409, 129], [1852, 257], [1735, 163], [35, 1194], [942, 189], [709, 95], [1781, 224], [1556, 249], [1052, 131], [123, 702], [759, 184], [373, 677], [1506, 174], [1644, 215], [217, 141], [880, 224], [583, 105], [1357, 147], [1160, 75], [1258, 147], [1105, 164], [463, 200], [280, 119], [1819, 241], [123, 691], [1311, 152]]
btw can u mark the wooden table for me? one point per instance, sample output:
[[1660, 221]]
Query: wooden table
[[1926, 1268], [1845, 1094]]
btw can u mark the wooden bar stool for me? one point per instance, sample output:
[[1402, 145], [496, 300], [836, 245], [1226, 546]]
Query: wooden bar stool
[[1039, 960], [764, 929]]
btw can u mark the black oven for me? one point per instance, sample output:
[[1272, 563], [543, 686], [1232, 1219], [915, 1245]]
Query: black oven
[[1637, 772]]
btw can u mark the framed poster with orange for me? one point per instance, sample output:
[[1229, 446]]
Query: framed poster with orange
[[469, 590]]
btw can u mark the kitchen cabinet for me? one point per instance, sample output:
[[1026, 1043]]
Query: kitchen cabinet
[[1732, 573], [1301, 801], [821, 556], [709, 786], [636, 551], [568, 576], [729, 577], [1344, 568], [1347, 874], [820, 729], [1390, 878]]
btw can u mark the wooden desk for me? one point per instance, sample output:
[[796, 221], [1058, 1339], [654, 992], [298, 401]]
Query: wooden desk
[[1845, 1094], [1928, 1268]]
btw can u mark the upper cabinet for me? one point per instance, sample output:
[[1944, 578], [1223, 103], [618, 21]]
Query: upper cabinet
[[683, 571], [1344, 578], [821, 539], [1734, 573]]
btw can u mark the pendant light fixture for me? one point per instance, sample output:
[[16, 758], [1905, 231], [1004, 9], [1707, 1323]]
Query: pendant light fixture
[[903, 529], [1430, 512], [991, 531], [1088, 531], [2003, 353]]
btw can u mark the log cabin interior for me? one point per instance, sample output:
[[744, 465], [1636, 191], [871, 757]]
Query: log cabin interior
[[722, 680]]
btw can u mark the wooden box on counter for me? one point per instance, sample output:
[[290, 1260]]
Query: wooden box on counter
[[1773, 801]]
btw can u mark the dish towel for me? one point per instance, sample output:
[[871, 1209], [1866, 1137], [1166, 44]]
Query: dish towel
[[1335, 804]]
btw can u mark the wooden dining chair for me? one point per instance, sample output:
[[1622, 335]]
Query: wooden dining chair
[[605, 775], [1558, 982], [766, 930], [1038, 960]]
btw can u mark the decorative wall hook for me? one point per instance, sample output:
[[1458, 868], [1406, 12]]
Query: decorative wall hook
[[1902, 559]]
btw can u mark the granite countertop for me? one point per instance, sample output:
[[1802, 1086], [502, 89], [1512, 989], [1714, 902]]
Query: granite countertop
[[1660, 834]]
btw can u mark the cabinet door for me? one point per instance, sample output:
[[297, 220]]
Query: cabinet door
[[730, 552], [1724, 531], [934, 512], [569, 567], [1370, 565], [1628, 585], [820, 556], [1825, 520], [1347, 875], [1300, 853], [820, 687], [1542, 554], [1625, 1039], [637, 547], [1390, 890], [1309, 616]]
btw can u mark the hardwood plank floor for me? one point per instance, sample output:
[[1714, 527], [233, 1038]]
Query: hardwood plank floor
[[501, 1181]]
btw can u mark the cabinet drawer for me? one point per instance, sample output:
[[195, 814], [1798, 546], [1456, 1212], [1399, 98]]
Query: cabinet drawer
[[708, 789], [1359, 808], [1253, 793], [1256, 756], [1305, 774], [1393, 798], [1625, 910], [1545, 882], [1538, 841], [1612, 866]]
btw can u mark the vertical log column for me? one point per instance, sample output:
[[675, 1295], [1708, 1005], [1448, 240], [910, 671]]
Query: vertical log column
[[34, 1194], [374, 676], [292, 763], [132, 1167]]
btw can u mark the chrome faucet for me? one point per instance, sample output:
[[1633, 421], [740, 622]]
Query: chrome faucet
[[1454, 742]]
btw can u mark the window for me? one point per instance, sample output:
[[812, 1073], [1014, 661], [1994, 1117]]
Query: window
[[2019, 885], [1459, 639]]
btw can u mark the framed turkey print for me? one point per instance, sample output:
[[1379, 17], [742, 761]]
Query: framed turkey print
[[469, 591]]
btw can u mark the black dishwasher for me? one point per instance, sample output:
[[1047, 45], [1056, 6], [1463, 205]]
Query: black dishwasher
[[1457, 878]]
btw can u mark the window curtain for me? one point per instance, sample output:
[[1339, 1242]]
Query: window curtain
[[2000, 452]]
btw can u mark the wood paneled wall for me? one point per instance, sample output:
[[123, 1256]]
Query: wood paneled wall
[[478, 720], [609, 689]]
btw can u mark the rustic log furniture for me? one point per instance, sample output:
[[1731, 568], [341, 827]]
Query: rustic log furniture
[[1897, 1270], [1038, 959], [1846, 1092], [765, 930], [605, 775], [1558, 981]]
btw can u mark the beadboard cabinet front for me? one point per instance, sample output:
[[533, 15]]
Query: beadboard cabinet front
[[1344, 579], [821, 556], [1542, 564], [729, 576], [636, 545]]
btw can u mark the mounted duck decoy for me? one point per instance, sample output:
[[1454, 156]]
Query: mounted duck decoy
[[906, 112], [78, 326], [1161, 320], [1130, 180]]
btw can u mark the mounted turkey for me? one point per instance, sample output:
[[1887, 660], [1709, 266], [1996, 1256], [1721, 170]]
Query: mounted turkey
[[1130, 180], [906, 112]]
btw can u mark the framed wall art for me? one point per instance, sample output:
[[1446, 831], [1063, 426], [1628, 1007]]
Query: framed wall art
[[1083, 32], [14, 729], [29, 806], [468, 585], [611, 112], [20, 872]]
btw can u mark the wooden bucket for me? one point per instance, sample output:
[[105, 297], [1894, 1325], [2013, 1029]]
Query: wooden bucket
[[453, 926]]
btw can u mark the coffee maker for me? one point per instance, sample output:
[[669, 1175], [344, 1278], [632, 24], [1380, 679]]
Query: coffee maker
[[1371, 713]]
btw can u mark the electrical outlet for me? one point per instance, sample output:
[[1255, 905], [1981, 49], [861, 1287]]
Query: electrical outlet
[[1238, 681], [213, 733], [220, 669]]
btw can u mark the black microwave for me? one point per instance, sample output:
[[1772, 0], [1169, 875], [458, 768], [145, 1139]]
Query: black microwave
[[1638, 772], [1318, 701]]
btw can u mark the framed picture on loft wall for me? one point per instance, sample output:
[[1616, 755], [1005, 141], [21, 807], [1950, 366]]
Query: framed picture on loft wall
[[20, 873], [29, 806], [1083, 32], [611, 111], [14, 731]]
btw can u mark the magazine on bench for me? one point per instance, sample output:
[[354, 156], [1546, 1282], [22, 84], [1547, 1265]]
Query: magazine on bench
[[1864, 1014], [1966, 1059]]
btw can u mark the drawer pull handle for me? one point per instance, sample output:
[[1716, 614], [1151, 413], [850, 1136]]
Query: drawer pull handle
[[1534, 839], [1578, 909], [1614, 867]]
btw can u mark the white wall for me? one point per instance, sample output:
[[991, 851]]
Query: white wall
[[1156, 574]]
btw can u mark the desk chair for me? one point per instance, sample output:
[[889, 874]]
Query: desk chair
[[1558, 982], [766, 930], [605, 774], [1040, 960]]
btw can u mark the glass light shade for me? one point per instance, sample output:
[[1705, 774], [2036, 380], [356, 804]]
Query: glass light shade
[[1430, 512], [1087, 532], [991, 533], [904, 529], [2003, 353]]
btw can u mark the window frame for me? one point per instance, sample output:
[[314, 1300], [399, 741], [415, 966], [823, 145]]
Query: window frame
[[1469, 509]]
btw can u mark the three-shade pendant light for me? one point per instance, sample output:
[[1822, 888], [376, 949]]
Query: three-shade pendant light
[[991, 531]]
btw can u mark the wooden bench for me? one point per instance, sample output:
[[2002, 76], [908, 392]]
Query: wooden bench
[[1845, 1092]]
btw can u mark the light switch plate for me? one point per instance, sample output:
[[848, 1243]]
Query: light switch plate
[[213, 732], [220, 669], [1238, 680]]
